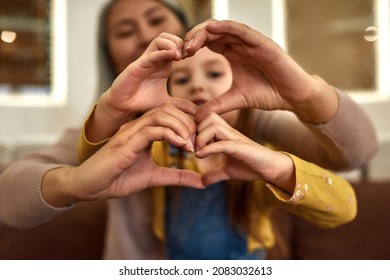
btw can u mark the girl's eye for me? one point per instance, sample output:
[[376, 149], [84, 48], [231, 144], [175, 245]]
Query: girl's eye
[[180, 81], [214, 74]]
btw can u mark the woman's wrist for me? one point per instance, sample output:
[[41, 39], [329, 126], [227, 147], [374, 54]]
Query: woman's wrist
[[321, 106], [54, 187]]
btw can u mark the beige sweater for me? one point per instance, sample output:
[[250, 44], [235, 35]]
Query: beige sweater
[[346, 142]]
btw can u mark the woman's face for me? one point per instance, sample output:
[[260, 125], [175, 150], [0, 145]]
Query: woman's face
[[133, 24], [202, 77]]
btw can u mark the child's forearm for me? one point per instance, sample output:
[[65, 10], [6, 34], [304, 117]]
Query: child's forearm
[[104, 122]]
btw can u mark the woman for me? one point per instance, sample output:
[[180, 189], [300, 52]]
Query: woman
[[43, 185]]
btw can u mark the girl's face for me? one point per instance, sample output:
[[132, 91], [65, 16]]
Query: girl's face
[[133, 24], [202, 77]]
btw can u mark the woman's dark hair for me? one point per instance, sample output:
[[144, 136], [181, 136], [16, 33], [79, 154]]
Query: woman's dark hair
[[106, 74], [177, 10]]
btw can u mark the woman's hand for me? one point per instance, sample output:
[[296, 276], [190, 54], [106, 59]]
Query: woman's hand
[[245, 159], [264, 76], [143, 84], [125, 164], [139, 88]]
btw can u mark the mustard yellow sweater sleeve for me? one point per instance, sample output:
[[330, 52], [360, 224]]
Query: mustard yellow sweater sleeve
[[85, 149], [321, 197]]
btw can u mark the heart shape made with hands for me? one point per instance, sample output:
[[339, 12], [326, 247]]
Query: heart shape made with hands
[[222, 153]]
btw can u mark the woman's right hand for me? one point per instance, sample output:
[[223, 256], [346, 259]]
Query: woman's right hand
[[125, 164], [139, 88], [143, 84]]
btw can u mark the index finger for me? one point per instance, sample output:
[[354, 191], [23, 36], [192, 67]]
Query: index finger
[[224, 103], [184, 105], [197, 38]]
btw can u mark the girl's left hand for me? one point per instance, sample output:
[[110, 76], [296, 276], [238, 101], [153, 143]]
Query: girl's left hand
[[245, 159]]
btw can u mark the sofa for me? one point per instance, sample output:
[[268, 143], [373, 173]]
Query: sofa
[[367, 237], [79, 233]]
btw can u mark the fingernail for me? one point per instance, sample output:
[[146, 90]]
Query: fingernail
[[193, 141], [190, 145], [179, 53], [181, 139], [189, 43]]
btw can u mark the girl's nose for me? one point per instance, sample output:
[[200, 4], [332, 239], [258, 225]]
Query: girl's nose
[[197, 84]]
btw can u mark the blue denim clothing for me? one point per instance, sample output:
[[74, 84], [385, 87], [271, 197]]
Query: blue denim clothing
[[197, 226]]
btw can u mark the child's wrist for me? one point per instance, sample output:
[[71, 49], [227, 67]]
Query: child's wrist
[[111, 113]]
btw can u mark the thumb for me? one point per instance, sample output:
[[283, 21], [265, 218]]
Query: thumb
[[214, 176], [224, 103], [165, 176], [184, 105]]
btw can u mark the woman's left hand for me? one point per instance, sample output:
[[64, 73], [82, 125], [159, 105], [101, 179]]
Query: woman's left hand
[[265, 76]]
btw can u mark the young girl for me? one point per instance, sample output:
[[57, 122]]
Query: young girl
[[230, 218]]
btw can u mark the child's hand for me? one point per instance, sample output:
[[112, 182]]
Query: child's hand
[[245, 159], [264, 76]]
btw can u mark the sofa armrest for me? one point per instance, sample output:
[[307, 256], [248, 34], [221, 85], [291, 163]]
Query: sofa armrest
[[74, 235], [365, 238]]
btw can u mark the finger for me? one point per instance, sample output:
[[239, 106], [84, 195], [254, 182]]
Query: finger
[[213, 128], [166, 41], [165, 116], [165, 176], [214, 176], [180, 122], [190, 108], [164, 50], [177, 139], [183, 104], [232, 143], [198, 37], [224, 103], [147, 135], [198, 27], [239, 30], [177, 40], [166, 47], [219, 147], [265, 49], [212, 119]]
